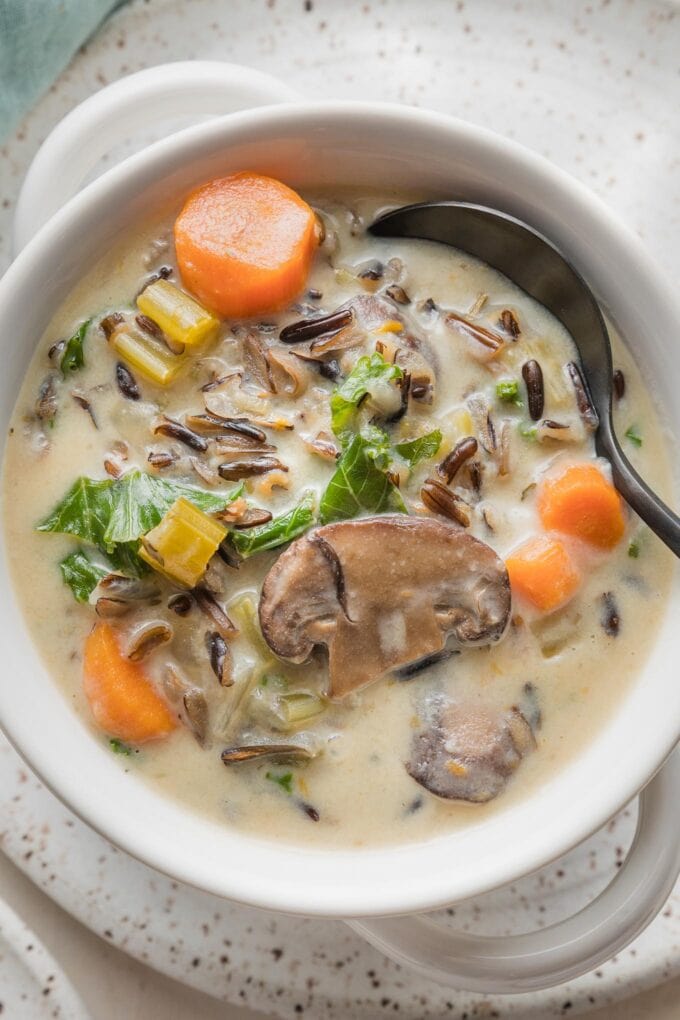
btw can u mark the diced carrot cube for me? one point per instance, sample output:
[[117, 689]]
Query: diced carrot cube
[[582, 503], [541, 571]]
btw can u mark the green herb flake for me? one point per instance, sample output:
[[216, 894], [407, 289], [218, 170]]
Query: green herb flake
[[634, 550], [358, 486], [527, 430], [507, 391], [423, 448], [274, 680], [73, 358], [278, 531], [81, 575], [285, 781], [345, 399], [118, 747], [633, 434]]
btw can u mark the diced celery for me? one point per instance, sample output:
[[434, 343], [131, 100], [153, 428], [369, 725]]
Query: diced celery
[[181, 546], [179, 316], [148, 356], [299, 706], [244, 610]]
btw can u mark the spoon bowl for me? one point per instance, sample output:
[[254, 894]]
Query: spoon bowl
[[532, 262]]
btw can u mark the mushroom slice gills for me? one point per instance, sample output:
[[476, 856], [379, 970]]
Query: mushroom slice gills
[[380, 593], [468, 752]]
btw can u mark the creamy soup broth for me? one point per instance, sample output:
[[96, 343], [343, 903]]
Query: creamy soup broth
[[357, 791]]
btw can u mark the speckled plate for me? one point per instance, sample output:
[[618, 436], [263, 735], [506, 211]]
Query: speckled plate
[[596, 88], [32, 985]]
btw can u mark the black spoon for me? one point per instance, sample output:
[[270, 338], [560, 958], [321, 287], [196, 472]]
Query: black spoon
[[534, 264]]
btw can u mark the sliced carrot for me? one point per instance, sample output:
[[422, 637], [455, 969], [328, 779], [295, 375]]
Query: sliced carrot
[[541, 571], [245, 244], [582, 503], [124, 702]]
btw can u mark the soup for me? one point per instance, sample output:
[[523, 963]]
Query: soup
[[336, 563]]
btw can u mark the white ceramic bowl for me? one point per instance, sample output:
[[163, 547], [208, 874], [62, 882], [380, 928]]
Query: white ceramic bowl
[[369, 145]]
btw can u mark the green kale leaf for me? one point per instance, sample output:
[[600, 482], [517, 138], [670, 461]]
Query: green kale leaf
[[113, 514], [81, 574], [422, 448], [346, 398], [73, 357], [359, 484], [278, 531]]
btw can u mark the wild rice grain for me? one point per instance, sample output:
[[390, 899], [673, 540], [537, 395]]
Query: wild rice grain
[[532, 373]]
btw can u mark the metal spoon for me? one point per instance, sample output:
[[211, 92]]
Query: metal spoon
[[534, 264]]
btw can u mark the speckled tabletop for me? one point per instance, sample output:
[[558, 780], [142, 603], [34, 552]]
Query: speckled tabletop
[[596, 88]]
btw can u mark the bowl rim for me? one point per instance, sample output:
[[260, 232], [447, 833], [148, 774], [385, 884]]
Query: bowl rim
[[423, 891]]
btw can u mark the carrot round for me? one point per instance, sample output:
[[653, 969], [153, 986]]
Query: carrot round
[[124, 702], [245, 244], [581, 502], [541, 571]]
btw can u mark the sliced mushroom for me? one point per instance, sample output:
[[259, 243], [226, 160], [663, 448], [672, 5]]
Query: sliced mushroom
[[392, 591], [147, 639], [484, 344], [289, 376], [371, 310], [197, 714], [46, 404], [255, 360], [127, 589], [468, 752], [421, 373]]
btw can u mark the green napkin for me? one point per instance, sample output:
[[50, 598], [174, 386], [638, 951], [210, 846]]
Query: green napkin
[[37, 40]]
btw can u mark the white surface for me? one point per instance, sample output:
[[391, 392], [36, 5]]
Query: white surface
[[599, 92], [116, 987], [32, 985]]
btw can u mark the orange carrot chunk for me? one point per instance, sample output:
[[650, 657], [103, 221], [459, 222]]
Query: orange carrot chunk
[[582, 503], [124, 702], [541, 571], [245, 244]]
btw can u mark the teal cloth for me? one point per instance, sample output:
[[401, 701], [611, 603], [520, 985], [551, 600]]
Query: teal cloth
[[38, 38]]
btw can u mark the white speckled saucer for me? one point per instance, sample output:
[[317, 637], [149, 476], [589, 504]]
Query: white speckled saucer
[[32, 986], [593, 86]]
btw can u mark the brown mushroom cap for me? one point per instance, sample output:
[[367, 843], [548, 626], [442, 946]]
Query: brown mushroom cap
[[382, 592], [468, 752]]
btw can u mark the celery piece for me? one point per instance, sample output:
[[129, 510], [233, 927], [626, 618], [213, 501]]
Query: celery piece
[[244, 611], [150, 357], [181, 546], [179, 316], [299, 706]]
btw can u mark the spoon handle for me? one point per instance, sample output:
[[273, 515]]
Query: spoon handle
[[646, 504]]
